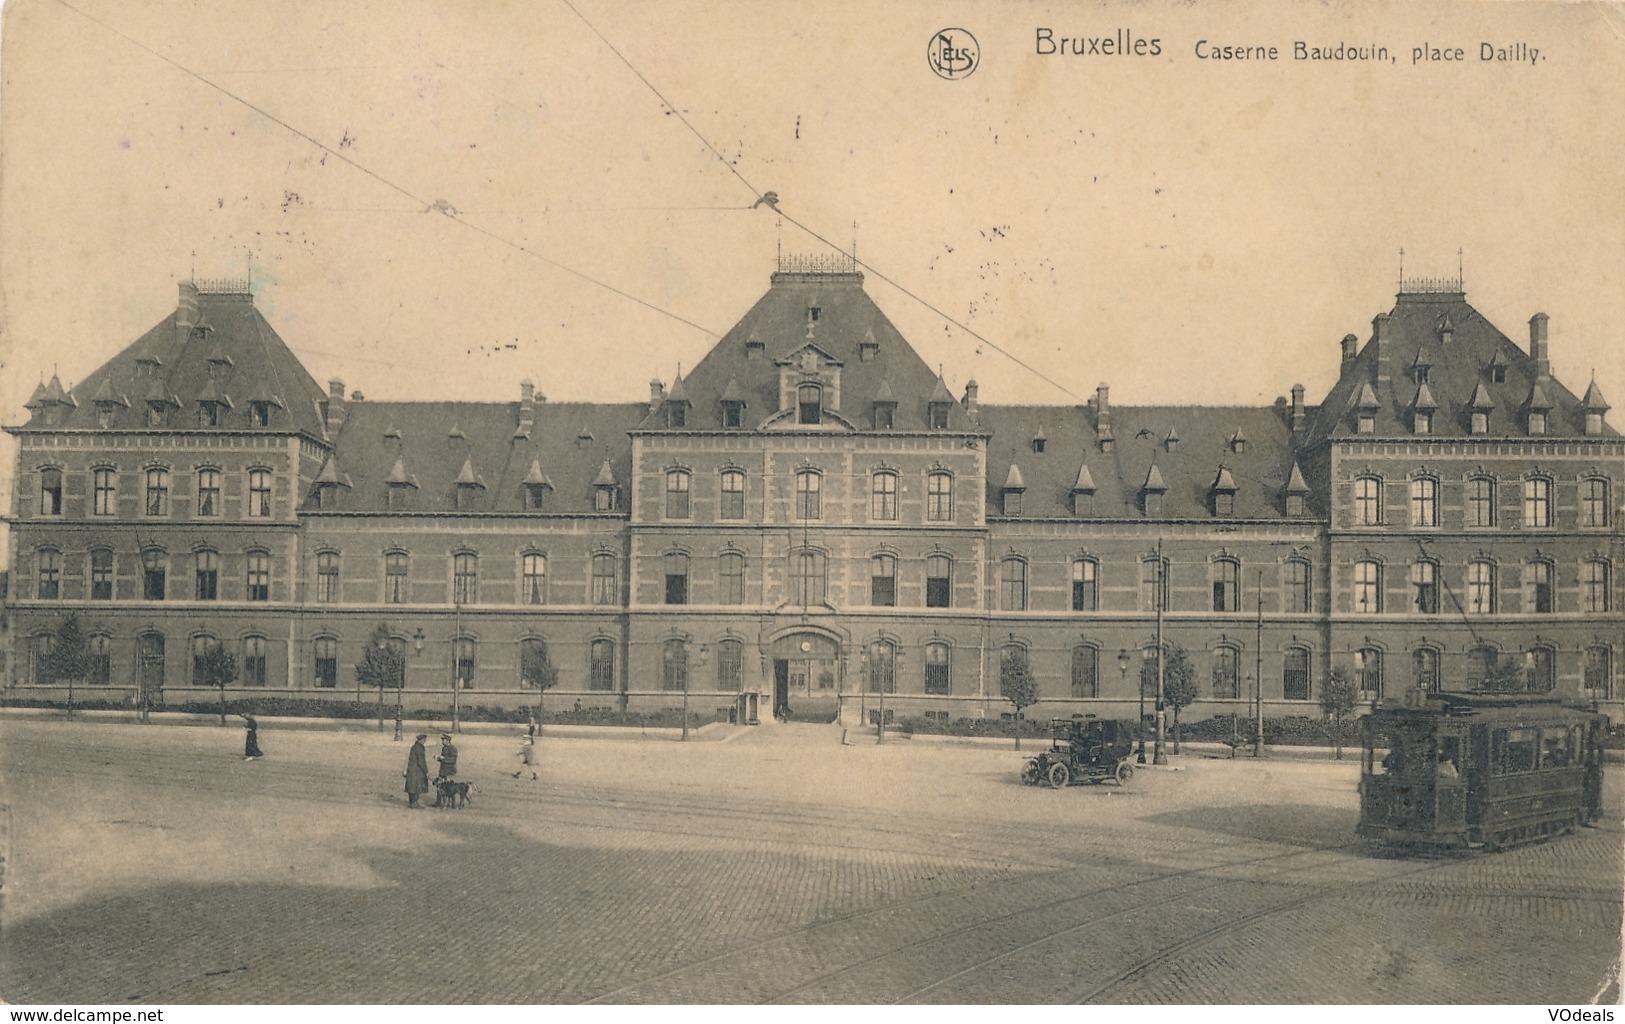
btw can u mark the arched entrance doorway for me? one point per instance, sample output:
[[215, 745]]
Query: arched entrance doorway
[[806, 673]]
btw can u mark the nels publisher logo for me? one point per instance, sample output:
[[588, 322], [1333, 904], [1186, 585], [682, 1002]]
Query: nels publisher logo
[[953, 53]]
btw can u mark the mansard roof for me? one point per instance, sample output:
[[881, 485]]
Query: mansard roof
[[1458, 377], [1260, 472], [215, 344], [445, 444], [781, 323]]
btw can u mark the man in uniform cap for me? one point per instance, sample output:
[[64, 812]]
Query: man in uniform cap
[[448, 766]]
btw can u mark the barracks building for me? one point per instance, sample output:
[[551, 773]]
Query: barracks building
[[811, 519]]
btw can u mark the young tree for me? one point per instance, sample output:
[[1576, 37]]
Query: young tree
[[382, 666], [1017, 684], [1506, 675], [536, 669], [1179, 686], [1338, 698], [216, 667], [69, 660]]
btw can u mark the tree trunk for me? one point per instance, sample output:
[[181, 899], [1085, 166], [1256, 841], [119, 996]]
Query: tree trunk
[[380, 707], [540, 709], [222, 704], [1177, 730]]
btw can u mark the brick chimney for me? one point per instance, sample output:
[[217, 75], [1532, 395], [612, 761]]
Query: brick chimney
[[657, 394], [186, 312], [1351, 345], [335, 406], [1382, 337], [1103, 412], [1297, 405], [1537, 346], [527, 407], [970, 397]]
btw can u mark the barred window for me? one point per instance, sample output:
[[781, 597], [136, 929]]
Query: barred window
[[1085, 671], [1425, 669], [326, 650], [674, 665], [730, 666], [1295, 674], [1226, 677], [938, 669], [254, 661], [602, 666]]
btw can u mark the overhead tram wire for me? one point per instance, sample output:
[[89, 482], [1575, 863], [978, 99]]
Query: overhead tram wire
[[438, 205], [778, 208]]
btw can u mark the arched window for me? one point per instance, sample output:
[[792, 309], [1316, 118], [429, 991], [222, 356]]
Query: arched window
[[1226, 672], [807, 577], [1594, 585], [327, 576], [48, 564], [1481, 501], [809, 403], [201, 646], [259, 492], [208, 575], [104, 492], [253, 661], [208, 492], [1367, 501], [101, 574], [604, 590], [1424, 501], [1368, 672], [883, 496], [730, 665], [939, 580], [1013, 584], [1599, 671], [674, 665], [1085, 671], [325, 650], [154, 572], [463, 661], [601, 676], [676, 577], [939, 497], [1593, 501], [1539, 595], [938, 668], [1425, 587], [395, 587], [1295, 674], [533, 577], [882, 668], [99, 649], [149, 656], [733, 494], [1480, 598], [1367, 588], [1299, 595], [1540, 666], [157, 491], [1537, 503], [1226, 585], [465, 578], [677, 481], [809, 484], [1425, 669], [258, 564], [50, 491], [731, 577], [1154, 584], [1085, 585], [883, 580]]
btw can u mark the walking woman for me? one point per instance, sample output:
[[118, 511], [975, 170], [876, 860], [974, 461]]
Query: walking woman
[[251, 742]]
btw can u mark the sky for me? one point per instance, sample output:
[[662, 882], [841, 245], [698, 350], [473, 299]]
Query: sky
[[437, 200]]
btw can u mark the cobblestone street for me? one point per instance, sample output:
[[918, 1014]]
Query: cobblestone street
[[153, 865]]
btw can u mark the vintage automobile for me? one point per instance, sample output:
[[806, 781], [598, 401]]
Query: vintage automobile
[[1083, 749]]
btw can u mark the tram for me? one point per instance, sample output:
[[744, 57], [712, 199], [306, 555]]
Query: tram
[[1479, 770]]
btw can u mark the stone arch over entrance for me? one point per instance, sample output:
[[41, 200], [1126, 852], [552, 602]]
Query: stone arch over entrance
[[808, 672]]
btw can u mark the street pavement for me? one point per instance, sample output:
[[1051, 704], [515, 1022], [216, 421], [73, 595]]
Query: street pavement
[[151, 864]]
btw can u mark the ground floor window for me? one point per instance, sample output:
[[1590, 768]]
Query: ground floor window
[[882, 667], [254, 661], [674, 665], [937, 670], [1599, 671], [1295, 674], [602, 674], [1085, 672], [327, 662], [730, 665]]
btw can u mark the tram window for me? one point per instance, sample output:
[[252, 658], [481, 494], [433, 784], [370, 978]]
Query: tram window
[[1516, 750], [1555, 751]]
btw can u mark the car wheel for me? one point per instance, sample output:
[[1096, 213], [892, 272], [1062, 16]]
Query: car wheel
[[1030, 773], [1125, 772], [1059, 776]]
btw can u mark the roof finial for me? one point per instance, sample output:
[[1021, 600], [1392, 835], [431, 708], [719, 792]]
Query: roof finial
[[1401, 269], [1461, 272], [854, 241]]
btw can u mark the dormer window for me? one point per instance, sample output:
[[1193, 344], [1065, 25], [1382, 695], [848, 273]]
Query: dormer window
[[603, 498], [809, 404], [1295, 505], [156, 413], [1423, 422], [1038, 444], [1498, 374], [1480, 422], [676, 415], [1367, 423], [733, 415], [939, 415], [1152, 502], [1537, 421], [885, 415], [209, 414], [812, 314], [1012, 503], [536, 497], [1224, 503], [259, 414], [1421, 373]]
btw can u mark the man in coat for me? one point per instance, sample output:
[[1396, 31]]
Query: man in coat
[[417, 771], [448, 766]]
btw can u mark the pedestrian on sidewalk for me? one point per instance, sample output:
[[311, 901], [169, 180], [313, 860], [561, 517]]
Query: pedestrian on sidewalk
[[417, 771], [251, 742]]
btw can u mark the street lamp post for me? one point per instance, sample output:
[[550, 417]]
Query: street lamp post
[[400, 690], [703, 650], [1258, 674], [1139, 727], [1123, 661], [457, 662], [1157, 756]]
